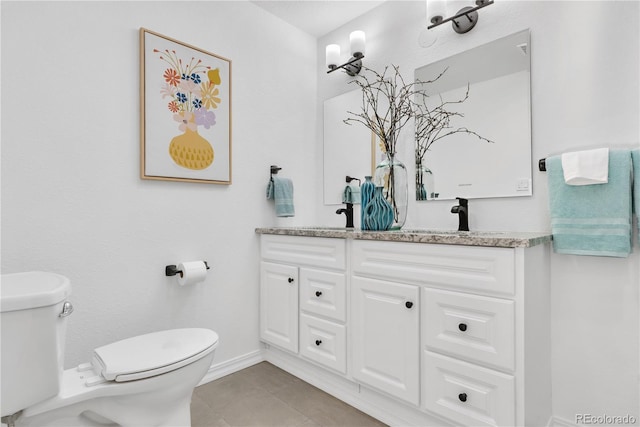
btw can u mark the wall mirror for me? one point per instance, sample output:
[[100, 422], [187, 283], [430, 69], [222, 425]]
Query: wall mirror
[[347, 149], [498, 108]]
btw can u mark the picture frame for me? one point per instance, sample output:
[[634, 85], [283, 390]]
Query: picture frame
[[185, 112]]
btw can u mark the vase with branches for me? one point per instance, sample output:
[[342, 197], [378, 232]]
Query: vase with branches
[[387, 107], [389, 103]]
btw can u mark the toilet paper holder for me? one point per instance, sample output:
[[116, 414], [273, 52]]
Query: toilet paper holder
[[172, 270]]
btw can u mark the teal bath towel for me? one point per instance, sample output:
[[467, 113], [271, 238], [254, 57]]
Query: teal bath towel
[[351, 194], [592, 219], [635, 156], [280, 190]]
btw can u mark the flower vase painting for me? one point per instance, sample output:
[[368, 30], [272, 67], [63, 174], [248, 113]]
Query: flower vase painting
[[185, 110]]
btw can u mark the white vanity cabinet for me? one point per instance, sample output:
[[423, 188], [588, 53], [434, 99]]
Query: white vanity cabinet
[[484, 326], [303, 297], [428, 334], [459, 323]]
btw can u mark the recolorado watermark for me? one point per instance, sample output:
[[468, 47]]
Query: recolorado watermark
[[604, 419]]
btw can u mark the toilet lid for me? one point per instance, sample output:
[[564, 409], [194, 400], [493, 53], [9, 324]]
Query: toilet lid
[[154, 354]]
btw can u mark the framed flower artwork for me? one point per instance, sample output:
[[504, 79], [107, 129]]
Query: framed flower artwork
[[185, 98]]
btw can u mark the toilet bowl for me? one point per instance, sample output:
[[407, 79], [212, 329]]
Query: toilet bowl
[[145, 380]]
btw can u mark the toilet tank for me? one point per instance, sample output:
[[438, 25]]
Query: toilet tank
[[32, 333]]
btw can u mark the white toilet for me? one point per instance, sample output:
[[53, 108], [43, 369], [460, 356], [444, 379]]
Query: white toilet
[[141, 381]]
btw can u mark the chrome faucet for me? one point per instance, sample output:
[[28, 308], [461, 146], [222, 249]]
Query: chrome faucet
[[462, 209], [348, 211]]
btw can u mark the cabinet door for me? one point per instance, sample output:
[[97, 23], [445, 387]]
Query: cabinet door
[[385, 339], [279, 305]]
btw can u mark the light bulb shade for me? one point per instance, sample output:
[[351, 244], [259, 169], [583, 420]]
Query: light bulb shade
[[332, 53], [436, 10], [357, 43]]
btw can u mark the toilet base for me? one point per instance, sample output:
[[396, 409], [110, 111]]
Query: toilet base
[[179, 417], [163, 400]]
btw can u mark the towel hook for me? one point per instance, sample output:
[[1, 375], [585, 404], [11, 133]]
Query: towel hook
[[348, 179], [274, 171]]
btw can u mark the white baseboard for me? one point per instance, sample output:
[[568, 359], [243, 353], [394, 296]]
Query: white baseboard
[[219, 370]]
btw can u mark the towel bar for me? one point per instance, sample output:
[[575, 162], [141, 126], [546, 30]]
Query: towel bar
[[542, 165]]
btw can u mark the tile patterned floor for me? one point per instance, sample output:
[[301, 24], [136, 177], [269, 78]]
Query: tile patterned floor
[[265, 395]]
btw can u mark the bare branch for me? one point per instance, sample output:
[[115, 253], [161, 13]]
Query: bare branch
[[389, 104]]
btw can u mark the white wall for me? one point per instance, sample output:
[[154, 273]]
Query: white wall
[[584, 93], [72, 199]]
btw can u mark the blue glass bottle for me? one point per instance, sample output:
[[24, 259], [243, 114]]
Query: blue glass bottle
[[366, 193]]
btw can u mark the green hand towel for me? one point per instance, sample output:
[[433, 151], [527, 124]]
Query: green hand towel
[[635, 157], [592, 219], [351, 194], [280, 190]]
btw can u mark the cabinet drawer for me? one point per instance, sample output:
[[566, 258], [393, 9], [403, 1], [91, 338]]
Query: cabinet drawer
[[323, 342], [475, 269], [311, 251], [469, 326], [324, 293], [467, 394]]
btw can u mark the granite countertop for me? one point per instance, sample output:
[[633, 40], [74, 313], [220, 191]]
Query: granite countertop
[[501, 239]]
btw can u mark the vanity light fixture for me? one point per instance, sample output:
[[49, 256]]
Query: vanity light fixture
[[353, 65], [463, 21]]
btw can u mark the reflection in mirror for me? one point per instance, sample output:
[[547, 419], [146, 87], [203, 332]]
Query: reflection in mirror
[[348, 150], [497, 76]]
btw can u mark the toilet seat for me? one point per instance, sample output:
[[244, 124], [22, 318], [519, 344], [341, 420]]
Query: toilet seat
[[153, 354]]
